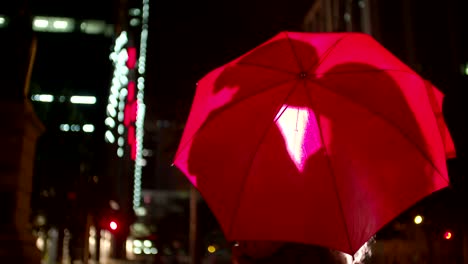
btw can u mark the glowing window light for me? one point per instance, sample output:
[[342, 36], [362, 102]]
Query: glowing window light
[[40, 23], [76, 99], [47, 98], [53, 24], [154, 250], [60, 24], [88, 128]]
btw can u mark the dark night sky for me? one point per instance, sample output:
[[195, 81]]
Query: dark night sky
[[188, 40]]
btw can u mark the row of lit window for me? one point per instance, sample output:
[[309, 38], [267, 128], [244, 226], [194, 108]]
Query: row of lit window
[[76, 99], [65, 25]]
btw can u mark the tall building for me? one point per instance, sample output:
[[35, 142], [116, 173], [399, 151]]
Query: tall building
[[68, 84], [429, 37]]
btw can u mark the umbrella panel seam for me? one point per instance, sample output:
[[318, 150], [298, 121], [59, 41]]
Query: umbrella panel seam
[[299, 62], [265, 67], [335, 187], [405, 136], [254, 154], [326, 53]]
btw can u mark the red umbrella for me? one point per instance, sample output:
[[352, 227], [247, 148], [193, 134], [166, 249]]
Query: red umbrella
[[314, 138]]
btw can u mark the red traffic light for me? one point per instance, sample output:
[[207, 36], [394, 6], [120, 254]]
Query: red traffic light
[[448, 235], [113, 225]]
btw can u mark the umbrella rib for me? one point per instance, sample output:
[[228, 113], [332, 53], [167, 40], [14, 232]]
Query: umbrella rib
[[254, 153], [325, 55], [392, 124], [299, 64], [340, 204], [364, 71]]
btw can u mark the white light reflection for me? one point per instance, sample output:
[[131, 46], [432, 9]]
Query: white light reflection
[[300, 130], [363, 253]]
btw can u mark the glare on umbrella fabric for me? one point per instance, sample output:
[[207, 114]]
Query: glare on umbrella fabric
[[313, 138]]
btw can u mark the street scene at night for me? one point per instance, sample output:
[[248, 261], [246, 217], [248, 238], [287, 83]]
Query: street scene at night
[[243, 132]]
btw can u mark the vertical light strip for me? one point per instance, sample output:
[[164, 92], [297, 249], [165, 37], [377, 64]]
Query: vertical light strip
[[139, 125], [118, 92]]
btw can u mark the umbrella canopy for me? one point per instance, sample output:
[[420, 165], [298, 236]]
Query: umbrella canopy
[[314, 138]]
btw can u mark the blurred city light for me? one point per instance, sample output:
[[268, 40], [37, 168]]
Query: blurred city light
[[418, 219], [88, 128], [53, 24], [140, 211], [3, 21], [65, 127], [137, 243], [40, 23], [83, 99], [93, 27], [147, 243], [211, 249], [448, 235], [113, 225], [47, 98], [114, 205]]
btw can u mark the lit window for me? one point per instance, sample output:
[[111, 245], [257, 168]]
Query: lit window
[[40, 23], [60, 24], [83, 99]]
